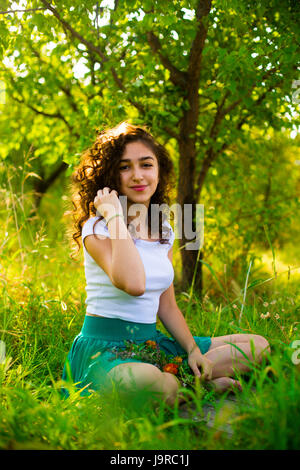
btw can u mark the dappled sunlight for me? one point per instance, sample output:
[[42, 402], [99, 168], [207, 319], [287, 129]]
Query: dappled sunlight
[[281, 264]]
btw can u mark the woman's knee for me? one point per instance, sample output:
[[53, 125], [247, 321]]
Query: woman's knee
[[138, 375], [147, 376], [263, 344], [259, 342], [170, 387], [171, 383]]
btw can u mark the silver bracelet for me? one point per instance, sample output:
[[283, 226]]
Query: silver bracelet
[[116, 215]]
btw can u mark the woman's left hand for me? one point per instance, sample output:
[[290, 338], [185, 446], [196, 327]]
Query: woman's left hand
[[196, 360]]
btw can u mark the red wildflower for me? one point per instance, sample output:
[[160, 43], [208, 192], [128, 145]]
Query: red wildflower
[[150, 343], [178, 359], [171, 368]]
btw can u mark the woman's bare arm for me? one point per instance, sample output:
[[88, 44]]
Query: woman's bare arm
[[119, 258]]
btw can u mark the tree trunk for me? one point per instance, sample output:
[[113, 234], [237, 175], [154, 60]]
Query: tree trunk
[[191, 269], [42, 186]]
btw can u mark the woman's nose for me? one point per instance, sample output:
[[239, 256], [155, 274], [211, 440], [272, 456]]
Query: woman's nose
[[137, 173]]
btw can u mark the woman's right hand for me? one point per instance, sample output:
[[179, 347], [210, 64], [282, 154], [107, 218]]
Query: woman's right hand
[[197, 360], [107, 202]]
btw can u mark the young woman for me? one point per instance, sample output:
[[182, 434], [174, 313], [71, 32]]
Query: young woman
[[129, 274]]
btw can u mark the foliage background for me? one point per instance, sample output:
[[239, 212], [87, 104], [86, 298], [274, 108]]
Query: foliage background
[[237, 152]]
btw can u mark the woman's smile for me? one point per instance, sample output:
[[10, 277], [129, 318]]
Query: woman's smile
[[139, 188]]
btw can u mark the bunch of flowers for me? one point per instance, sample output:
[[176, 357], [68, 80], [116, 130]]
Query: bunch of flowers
[[150, 352]]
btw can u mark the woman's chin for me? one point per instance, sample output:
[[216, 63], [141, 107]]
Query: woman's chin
[[138, 199]]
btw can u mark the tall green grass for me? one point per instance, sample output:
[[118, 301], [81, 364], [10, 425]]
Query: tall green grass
[[42, 309]]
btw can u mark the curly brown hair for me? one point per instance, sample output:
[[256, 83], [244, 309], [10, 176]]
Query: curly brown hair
[[99, 168]]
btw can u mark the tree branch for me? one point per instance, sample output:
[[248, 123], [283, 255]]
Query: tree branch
[[65, 89], [220, 113], [237, 102], [116, 2], [57, 115], [21, 11], [202, 11], [177, 77], [74, 33], [41, 187], [212, 155], [171, 132], [98, 51]]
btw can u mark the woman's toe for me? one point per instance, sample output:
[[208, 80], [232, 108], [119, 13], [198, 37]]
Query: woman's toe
[[236, 385], [239, 385], [222, 384]]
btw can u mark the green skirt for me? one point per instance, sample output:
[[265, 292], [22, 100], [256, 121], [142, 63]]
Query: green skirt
[[92, 354]]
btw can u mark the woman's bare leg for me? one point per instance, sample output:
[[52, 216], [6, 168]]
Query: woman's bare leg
[[227, 359], [139, 375], [236, 338], [224, 358]]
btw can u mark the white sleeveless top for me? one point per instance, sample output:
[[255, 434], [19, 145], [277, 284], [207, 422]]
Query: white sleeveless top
[[106, 300]]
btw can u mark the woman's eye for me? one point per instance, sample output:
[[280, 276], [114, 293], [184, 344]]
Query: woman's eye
[[145, 164]]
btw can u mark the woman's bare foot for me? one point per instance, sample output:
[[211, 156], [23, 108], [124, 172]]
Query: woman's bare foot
[[221, 384]]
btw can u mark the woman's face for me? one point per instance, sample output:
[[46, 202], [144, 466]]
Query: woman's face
[[138, 168]]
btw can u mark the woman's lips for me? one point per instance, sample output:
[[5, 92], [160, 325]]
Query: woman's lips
[[139, 188]]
